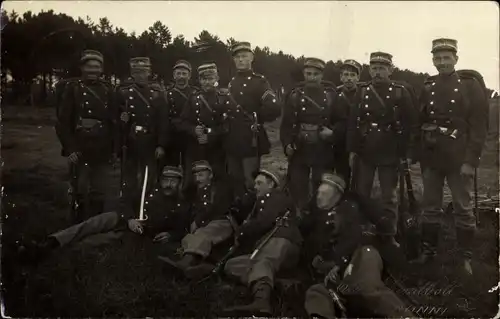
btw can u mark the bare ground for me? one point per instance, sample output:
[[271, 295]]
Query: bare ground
[[125, 278]]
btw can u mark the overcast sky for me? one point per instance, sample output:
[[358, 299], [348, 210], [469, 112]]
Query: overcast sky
[[330, 30]]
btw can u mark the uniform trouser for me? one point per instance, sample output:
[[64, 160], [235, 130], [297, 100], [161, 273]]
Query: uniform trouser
[[461, 191], [134, 177], [301, 176], [200, 241], [278, 253], [105, 223], [363, 289], [388, 178], [96, 190], [241, 171]]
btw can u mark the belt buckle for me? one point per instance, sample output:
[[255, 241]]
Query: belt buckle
[[375, 125], [139, 128]]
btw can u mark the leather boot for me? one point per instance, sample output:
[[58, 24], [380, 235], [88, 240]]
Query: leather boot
[[186, 261], [430, 236], [261, 304], [465, 240]]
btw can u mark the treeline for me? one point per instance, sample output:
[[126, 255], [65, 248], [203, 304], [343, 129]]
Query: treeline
[[48, 44]]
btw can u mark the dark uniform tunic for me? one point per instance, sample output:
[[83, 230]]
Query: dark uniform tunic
[[206, 109], [146, 130], [281, 251], [379, 131], [454, 117], [164, 214], [346, 235], [250, 92], [87, 124], [345, 100], [177, 98], [308, 110]]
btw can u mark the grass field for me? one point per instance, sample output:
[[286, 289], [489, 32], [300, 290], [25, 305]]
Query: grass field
[[125, 279]]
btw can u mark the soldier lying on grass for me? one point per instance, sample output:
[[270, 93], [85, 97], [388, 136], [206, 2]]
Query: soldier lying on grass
[[168, 217]]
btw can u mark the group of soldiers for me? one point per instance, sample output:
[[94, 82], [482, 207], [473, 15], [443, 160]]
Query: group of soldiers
[[191, 167]]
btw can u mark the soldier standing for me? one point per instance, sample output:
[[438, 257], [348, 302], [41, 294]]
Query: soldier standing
[[380, 127], [348, 244], [311, 127], [145, 127], [350, 73], [202, 121], [177, 97], [454, 119], [255, 103], [86, 126]]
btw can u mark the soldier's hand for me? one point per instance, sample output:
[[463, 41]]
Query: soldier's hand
[[317, 261], [160, 152], [193, 227], [333, 274], [203, 139], [135, 226], [198, 130], [125, 117], [325, 132], [467, 170], [409, 161], [73, 157], [162, 237], [289, 150], [352, 157]]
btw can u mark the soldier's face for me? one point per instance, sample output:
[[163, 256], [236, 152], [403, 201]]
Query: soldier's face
[[140, 74], [202, 178], [444, 61], [209, 82], [263, 185], [313, 76], [181, 77], [380, 72], [170, 185], [92, 69], [243, 60], [349, 78], [327, 196]]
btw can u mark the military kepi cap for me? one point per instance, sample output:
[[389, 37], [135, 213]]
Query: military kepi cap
[[183, 64], [241, 46], [381, 57], [201, 166], [89, 55], [140, 63], [314, 63], [334, 180], [208, 68], [444, 44], [171, 171], [269, 174], [353, 64]]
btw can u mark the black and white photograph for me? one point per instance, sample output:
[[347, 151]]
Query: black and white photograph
[[249, 159]]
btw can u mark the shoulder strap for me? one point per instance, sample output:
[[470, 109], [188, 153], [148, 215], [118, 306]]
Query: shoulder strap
[[202, 98], [180, 92]]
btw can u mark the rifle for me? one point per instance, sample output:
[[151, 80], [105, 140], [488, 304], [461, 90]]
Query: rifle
[[337, 301], [220, 264], [280, 222], [408, 214], [476, 212], [124, 153], [73, 191]]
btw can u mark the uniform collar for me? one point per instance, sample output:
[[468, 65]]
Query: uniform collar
[[245, 72]]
